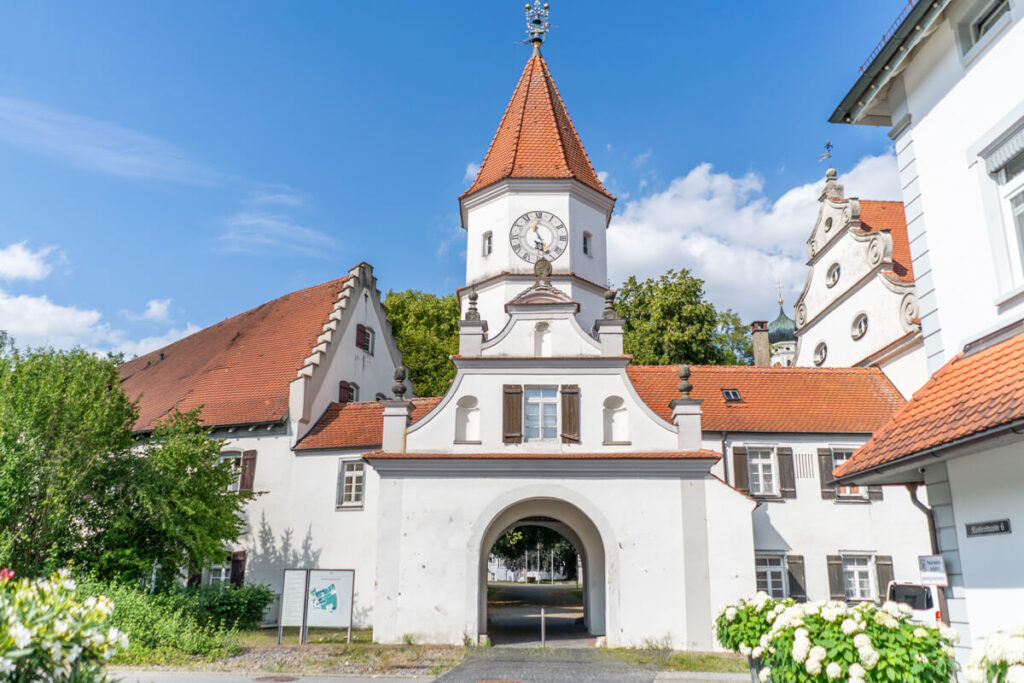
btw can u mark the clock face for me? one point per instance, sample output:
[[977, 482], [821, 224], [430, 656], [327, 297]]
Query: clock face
[[539, 234]]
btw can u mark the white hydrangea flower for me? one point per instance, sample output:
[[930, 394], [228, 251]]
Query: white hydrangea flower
[[833, 670], [868, 657], [1015, 674], [800, 650], [6, 665], [21, 634], [849, 626], [757, 652], [818, 652], [1013, 650], [921, 657], [745, 649], [920, 633], [861, 640], [857, 671], [764, 674], [60, 627], [731, 613], [813, 666], [950, 634]]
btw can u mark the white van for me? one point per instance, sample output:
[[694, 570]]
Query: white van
[[924, 600]]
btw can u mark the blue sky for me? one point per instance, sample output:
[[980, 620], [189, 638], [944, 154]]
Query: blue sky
[[166, 165]]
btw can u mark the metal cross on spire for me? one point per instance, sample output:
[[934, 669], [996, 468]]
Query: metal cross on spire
[[778, 283], [537, 24], [827, 154]]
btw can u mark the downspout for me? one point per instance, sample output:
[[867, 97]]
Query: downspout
[[934, 538], [725, 459]]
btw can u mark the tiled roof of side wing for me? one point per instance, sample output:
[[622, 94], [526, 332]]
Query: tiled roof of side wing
[[876, 215], [536, 137], [355, 425], [822, 400], [238, 370], [970, 394]]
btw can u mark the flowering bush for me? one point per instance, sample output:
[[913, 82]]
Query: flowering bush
[[823, 641], [999, 660], [48, 634]]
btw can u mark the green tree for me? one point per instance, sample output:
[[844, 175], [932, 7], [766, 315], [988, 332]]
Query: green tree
[[540, 542], [426, 329], [668, 321], [169, 504], [77, 487]]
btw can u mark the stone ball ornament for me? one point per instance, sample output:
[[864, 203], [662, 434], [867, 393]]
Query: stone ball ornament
[[399, 388]]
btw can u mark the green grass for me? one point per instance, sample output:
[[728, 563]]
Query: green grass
[[682, 661]]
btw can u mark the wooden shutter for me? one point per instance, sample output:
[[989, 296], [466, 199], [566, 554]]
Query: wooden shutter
[[570, 413], [194, 580], [874, 493], [883, 572], [836, 588], [740, 474], [248, 474], [787, 477], [344, 392], [828, 484], [362, 341], [512, 413], [797, 582], [238, 568]]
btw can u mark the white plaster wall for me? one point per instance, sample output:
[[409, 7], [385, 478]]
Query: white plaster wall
[[812, 527], [436, 431], [345, 361], [730, 545], [566, 338], [430, 587], [882, 306], [850, 253], [294, 522], [908, 370], [986, 486], [493, 296], [970, 259]]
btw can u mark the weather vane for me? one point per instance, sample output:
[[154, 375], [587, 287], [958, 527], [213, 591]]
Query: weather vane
[[537, 22], [827, 154]]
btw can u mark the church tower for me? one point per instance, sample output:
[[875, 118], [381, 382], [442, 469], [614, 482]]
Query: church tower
[[536, 196]]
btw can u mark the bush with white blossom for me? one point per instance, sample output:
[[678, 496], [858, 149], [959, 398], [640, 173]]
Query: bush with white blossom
[[50, 634], [999, 659], [827, 641]]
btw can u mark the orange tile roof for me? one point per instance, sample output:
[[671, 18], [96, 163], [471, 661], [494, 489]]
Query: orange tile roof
[[355, 425], [824, 400], [609, 455], [970, 394], [536, 138], [239, 369], [874, 216]]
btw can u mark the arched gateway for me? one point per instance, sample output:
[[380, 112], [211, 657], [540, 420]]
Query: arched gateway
[[574, 524]]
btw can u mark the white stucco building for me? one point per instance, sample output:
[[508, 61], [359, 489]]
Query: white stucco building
[[859, 307], [681, 488], [945, 84]]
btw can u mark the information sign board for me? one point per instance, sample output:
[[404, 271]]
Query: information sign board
[[293, 597], [329, 598], [933, 570]]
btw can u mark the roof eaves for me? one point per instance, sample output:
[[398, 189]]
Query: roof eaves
[[893, 51]]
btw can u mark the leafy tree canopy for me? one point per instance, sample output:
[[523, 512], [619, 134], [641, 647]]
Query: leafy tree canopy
[[526, 546], [668, 321], [426, 329], [77, 487]]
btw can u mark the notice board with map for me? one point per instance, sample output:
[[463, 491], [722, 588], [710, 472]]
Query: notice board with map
[[316, 597]]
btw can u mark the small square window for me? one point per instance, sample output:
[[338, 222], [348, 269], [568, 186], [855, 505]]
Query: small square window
[[732, 395]]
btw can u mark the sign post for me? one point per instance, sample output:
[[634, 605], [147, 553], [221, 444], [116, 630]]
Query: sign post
[[933, 570], [316, 597]]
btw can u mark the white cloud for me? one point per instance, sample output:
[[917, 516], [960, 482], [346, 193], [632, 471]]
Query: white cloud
[[97, 145], [727, 232], [17, 262], [257, 231], [602, 176], [157, 310], [280, 194], [641, 159], [472, 169]]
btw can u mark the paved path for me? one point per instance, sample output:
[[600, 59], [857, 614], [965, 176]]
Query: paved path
[[513, 616], [135, 676]]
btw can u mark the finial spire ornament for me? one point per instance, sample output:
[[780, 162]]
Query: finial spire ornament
[[399, 388], [471, 312], [609, 305], [778, 283], [827, 154], [537, 24], [684, 380]]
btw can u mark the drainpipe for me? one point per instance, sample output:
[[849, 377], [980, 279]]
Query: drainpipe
[[725, 460], [934, 537]]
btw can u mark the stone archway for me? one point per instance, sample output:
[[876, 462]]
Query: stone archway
[[577, 528]]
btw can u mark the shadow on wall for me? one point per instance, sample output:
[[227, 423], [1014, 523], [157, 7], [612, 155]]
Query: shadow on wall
[[268, 558]]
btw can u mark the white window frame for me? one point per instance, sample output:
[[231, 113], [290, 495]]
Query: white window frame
[[542, 402], [832, 275], [820, 353], [371, 339], [863, 568], [991, 15], [841, 454], [235, 458], [356, 497], [219, 574], [768, 569], [353, 392], [765, 461], [967, 23], [588, 244], [1011, 189], [487, 246]]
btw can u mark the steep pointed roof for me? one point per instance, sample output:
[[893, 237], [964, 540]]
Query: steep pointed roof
[[536, 138]]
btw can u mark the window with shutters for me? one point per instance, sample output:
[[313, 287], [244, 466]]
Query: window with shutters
[[220, 574], [351, 482], [540, 413], [771, 575], [839, 456], [353, 391], [761, 468], [234, 458], [365, 338], [857, 581]]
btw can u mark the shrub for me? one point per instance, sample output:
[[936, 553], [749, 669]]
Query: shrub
[[160, 627], [226, 607], [999, 660], [823, 641], [49, 633]]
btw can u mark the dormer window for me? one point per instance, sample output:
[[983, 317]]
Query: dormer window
[[588, 246], [488, 244], [732, 396]]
